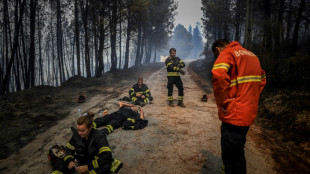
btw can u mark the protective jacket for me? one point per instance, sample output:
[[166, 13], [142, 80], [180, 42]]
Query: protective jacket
[[94, 151], [174, 64], [124, 117], [144, 90], [238, 80]]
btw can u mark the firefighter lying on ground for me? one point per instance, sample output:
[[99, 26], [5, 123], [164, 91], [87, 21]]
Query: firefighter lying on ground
[[140, 94], [87, 151], [129, 117]]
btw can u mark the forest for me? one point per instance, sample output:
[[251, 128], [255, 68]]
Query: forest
[[275, 30], [46, 42]]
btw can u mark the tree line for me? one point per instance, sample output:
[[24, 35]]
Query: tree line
[[276, 30], [188, 43], [47, 42]]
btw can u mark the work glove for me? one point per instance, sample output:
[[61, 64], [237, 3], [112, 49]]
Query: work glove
[[182, 72]]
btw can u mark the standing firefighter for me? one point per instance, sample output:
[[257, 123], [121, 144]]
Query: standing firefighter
[[238, 81], [174, 68]]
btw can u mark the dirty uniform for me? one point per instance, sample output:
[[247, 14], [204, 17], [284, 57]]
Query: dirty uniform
[[144, 90], [238, 80], [125, 117], [174, 64], [94, 152]]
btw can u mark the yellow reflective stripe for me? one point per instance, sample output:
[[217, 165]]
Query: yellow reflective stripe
[[221, 65], [115, 165], [169, 63], [181, 61], [134, 98], [148, 90], [104, 149], [131, 127], [94, 125], [176, 68], [109, 128], [132, 120], [69, 146], [56, 172], [68, 156], [132, 89], [170, 98], [180, 97], [95, 163], [92, 172], [173, 74], [245, 79]]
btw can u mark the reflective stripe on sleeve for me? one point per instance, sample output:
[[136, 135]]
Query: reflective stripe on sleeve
[[169, 64], [104, 149], [115, 165], [92, 172], [69, 146], [56, 172], [68, 156], [95, 163], [132, 120], [221, 66]]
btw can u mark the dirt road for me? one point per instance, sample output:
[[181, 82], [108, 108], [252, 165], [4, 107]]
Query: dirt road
[[177, 140]]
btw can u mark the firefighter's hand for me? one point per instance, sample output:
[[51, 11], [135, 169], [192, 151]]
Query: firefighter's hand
[[182, 72], [82, 169], [105, 112], [138, 95], [71, 165], [142, 96]]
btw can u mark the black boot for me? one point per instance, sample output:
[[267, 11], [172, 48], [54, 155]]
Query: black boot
[[181, 104]]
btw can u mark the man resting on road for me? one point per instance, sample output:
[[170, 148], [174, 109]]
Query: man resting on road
[[140, 94], [129, 117]]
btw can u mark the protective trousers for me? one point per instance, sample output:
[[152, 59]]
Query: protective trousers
[[178, 83], [110, 122], [232, 142]]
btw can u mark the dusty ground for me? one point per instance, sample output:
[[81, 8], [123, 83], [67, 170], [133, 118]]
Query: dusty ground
[[177, 140]]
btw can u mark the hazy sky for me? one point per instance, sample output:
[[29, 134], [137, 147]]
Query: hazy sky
[[189, 13]]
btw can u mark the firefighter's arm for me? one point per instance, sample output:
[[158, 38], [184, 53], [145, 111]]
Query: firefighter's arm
[[132, 92], [264, 80], [69, 158], [147, 92], [104, 155], [170, 65], [181, 64], [221, 79]]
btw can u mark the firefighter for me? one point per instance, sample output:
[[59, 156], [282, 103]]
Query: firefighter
[[174, 68], [140, 94], [238, 81], [128, 117], [88, 151]]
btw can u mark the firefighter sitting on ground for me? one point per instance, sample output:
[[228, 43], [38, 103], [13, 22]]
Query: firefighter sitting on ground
[[87, 151], [129, 117], [140, 94]]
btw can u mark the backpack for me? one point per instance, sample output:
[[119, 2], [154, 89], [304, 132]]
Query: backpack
[[56, 153]]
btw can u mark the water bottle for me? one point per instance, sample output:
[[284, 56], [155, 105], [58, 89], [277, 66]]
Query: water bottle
[[80, 112]]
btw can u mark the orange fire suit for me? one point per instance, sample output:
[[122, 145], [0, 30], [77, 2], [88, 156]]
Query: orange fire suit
[[238, 80]]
